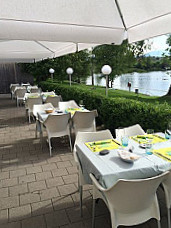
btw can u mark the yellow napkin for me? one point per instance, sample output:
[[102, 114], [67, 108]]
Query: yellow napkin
[[108, 144], [73, 110], [164, 153], [143, 139]]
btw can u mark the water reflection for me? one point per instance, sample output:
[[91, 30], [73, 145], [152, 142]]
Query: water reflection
[[154, 83]]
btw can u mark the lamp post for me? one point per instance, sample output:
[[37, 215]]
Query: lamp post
[[51, 71], [69, 71], [106, 70], [92, 69]]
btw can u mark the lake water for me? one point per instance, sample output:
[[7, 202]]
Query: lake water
[[154, 83]]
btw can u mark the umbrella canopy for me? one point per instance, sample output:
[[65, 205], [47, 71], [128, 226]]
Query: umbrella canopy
[[35, 29], [144, 19], [33, 51]]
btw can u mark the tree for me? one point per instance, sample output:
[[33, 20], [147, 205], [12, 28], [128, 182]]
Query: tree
[[120, 57], [168, 41], [78, 61]]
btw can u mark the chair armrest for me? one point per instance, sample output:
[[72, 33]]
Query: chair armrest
[[96, 183]]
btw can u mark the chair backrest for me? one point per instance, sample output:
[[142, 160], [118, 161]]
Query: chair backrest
[[167, 188], [20, 92], [131, 196], [84, 121], [63, 105], [32, 101], [83, 137], [53, 100], [48, 93], [12, 87], [58, 125], [129, 131], [34, 90], [41, 107]]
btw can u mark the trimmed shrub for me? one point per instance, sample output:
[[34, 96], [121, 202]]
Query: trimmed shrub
[[115, 112]]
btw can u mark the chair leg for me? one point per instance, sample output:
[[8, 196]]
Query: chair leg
[[158, 224], [41, 140], [36, 131], [50, 147], [70, 143], [81, 199], [29, 117], [93, 212], [168, 217]]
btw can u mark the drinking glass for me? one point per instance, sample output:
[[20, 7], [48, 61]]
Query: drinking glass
[[124, 140], [168, 131], [149, 147], [81, 104], [150, 131]]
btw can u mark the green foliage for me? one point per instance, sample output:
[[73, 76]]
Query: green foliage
[[169, 44], [115, 112], [78, 61], [119, 57]]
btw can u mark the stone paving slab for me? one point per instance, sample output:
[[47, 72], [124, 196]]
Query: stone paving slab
[[38, 191]]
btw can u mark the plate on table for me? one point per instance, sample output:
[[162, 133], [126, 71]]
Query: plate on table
[[143, 145], [127, 156]]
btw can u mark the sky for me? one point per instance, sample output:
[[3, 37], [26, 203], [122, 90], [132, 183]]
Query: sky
[[158, 43]]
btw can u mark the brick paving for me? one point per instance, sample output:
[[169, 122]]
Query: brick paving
[[38, 191]]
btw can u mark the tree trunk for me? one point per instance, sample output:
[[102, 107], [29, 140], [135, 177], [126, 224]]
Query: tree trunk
[[169, 91], [112, 81]]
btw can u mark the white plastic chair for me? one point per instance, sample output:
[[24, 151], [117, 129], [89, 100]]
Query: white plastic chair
[[129, 131], [63, 105], [83, 137], [12, 89], [34, 90], [57, 125], [84, 121], [40, 108], [30, 102], [16, 88], [53, 100], [47, 93], [20, 93], [130, 202], [167, 189]]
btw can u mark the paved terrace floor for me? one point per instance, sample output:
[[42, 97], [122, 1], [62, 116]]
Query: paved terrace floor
[[38, 191]]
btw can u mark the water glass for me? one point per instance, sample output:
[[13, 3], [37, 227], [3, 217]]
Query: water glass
[[150, 131], [124, 141], [167, 134], [149, 147], [81, 104]]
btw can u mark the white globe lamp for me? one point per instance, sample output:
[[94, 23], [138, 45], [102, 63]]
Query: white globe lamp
[[106, 70], [51, 71], [69, 71]]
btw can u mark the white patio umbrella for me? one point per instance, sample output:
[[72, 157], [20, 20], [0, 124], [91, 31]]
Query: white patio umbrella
[[45, 24], [33, 51]]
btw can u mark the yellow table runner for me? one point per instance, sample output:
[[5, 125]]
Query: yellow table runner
[[164, 153], [108, 144], [143, 139], [73, 110]]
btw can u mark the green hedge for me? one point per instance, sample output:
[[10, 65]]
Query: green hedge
[[115, 112]]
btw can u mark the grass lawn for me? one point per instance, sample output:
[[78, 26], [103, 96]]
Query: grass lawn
[[126, 94]]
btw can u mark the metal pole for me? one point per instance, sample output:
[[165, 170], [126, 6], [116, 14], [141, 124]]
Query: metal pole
[[92, 71], [106, 85], [52, 76], [70, 79]]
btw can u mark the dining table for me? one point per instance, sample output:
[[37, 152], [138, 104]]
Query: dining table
[[43, 115], [111, 167]]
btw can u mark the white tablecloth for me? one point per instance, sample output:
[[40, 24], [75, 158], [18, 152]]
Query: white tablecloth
[[109, 168]]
